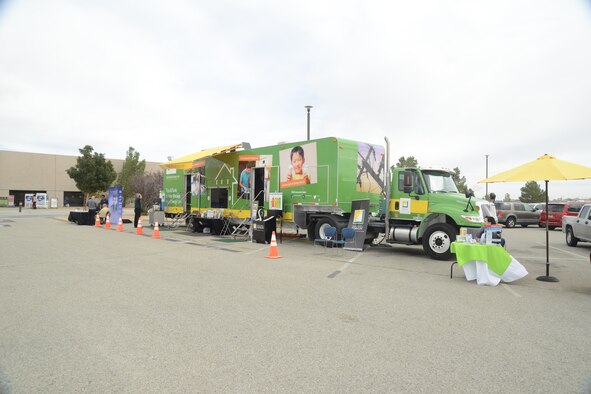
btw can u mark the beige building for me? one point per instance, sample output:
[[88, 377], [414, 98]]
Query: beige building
[[23, 172]]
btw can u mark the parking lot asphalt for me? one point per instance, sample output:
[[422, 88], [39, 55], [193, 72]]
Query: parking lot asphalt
[[85, 309]]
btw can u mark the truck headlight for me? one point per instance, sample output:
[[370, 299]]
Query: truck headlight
[[472, 219]]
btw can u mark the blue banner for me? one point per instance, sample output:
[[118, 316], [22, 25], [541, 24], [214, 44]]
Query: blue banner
[[116, 203]]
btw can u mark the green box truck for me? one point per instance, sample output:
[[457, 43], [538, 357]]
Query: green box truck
[[314, 183]]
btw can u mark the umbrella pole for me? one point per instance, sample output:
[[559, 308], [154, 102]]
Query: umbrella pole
[[547, 277]]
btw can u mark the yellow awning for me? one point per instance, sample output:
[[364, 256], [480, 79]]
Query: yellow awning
[[186, 162]]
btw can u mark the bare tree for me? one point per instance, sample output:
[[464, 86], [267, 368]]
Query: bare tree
[[148, 185]]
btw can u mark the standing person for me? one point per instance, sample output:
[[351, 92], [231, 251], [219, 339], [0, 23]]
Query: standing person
[[34, 201], [104, 200], [92, 207], [137, 209], [245, 180]]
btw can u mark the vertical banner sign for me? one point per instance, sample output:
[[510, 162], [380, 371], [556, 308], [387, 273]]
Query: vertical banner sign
[[358, 221], [116, 203], [11, 200]]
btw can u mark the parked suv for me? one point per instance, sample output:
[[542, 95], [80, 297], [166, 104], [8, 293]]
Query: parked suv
[[516, 213], [557, 211]]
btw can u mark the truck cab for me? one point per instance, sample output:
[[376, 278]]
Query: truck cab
[[425, 207]]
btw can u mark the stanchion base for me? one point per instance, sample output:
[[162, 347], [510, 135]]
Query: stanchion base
[[545, 278]]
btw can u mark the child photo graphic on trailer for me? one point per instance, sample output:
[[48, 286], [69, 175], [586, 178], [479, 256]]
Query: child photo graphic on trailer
[[298, 165]]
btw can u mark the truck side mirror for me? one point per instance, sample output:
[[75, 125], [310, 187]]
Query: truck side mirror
[[408, 182], [469, 194]]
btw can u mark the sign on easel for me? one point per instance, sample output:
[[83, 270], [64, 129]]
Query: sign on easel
[[358, 221]]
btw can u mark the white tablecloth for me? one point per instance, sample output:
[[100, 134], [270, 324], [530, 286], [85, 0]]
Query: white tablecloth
[[479, 270]]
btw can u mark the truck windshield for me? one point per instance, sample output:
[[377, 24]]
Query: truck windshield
[[439, 182]]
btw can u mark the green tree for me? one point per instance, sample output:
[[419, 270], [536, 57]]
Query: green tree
[[92, 172], [460, 181], [507, 197], [410, 161], [532, 192], [132, 166]]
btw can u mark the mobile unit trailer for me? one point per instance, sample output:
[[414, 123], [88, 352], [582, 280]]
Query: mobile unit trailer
[[316, 183], [313, 179]]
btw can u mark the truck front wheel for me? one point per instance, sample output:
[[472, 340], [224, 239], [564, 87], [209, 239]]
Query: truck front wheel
[[437, 241], [571, 240]]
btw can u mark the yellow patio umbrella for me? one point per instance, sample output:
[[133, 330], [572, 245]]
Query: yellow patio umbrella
[[544, 168]]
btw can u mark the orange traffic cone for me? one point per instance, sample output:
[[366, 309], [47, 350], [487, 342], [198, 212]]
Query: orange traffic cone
[[108, 222], [273, 251], [120, 225], [156, 233], [97, 221], [139, 230]]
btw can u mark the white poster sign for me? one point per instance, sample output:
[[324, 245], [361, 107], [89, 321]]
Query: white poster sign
[[42, 201], [28, 201], [405, 206]]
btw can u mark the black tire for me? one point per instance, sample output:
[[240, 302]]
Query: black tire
[[571, 240], [322, 224], [524, 225], [510, 222], [551, 227], [437, 241]]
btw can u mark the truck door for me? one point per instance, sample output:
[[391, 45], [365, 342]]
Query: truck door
[[418, 198]]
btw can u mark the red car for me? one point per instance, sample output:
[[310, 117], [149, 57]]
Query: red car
[[557, 211]]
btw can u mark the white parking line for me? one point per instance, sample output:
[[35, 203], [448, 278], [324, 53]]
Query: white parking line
[[352, 260], [344, 267], [510, 290]]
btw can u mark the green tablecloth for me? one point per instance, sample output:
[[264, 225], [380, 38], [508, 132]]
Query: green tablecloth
[[496, 257]]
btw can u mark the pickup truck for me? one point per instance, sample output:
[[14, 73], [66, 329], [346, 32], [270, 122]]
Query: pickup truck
[[578, 228]]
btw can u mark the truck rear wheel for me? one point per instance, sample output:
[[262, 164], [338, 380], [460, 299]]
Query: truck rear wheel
[[322, 225], [571, 240], [437, 241]]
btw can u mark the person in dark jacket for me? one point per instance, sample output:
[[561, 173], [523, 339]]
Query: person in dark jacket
[[137, 209], [92, 207], [490, 221]]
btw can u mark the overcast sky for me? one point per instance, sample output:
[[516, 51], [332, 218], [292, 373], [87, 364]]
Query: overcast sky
[[446, 81]]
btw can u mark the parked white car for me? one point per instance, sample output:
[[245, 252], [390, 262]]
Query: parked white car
[[578, 228]]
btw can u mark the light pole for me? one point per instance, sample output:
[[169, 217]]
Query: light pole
[[486, 192], [308, 107]]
